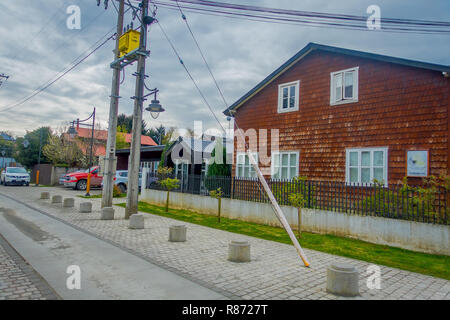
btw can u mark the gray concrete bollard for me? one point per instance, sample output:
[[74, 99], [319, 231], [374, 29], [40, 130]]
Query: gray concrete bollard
[[68, 203], [107, 213], [136, 221], [239, 251], [85, 207], [57, 199], [342, 280], [45, 195], [177, 233]]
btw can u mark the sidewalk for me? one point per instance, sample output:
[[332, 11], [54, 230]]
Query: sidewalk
[[275, 271]]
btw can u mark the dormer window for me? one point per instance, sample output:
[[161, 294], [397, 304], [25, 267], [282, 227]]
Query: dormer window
[[288, 96], [344, 86]]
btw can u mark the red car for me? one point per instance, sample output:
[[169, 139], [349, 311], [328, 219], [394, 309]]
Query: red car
[[78, 179]]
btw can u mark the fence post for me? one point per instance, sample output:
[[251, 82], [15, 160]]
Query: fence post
[[309, 193]]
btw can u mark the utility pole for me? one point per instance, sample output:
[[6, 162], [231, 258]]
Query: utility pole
[[135, 148], [113, 111], [38, 171]]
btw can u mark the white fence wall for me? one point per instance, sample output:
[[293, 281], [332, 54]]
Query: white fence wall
[[430, 238]]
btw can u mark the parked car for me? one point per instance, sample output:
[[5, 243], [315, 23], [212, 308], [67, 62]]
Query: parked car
[[15, 176], [78, 180], [121, 180]]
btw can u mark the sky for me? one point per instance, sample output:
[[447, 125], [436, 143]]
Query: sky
[[37, 45]]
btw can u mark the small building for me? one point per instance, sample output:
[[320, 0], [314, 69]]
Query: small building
[[150, 157]]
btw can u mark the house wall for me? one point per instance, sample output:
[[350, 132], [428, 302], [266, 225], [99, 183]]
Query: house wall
[[400, 107], [425, 237]]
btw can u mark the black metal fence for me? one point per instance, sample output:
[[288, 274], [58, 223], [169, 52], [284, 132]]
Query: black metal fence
[[394, 201]]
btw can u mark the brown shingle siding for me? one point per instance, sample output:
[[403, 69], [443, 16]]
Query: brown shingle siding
[[399, 107]]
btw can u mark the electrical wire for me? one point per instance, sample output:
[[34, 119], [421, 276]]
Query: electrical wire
[[48, 84], [314, 19], [189, 74]]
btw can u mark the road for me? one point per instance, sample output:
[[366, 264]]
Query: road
[[107, 272]]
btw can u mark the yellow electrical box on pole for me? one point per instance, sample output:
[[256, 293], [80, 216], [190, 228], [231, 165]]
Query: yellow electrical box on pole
[[129, 41]]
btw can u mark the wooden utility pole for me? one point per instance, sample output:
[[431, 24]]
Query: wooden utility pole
[[135, 148], [110, 162]]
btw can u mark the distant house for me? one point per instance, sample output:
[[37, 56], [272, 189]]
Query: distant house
[[6, 137], [83, 139], [190, 157], [346, 115], [150, 157]]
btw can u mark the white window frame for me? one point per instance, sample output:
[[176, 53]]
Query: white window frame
[[344, 100], [280, 96], [182, 163], [240, 155], [278, 154], [371, 150]]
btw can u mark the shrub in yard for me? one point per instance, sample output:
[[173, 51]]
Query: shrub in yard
[[116, 191], [281, 190], [166, 182], [297, 200], [218, 194]]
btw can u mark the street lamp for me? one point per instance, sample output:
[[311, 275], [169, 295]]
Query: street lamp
[[73, 132], [155, 107]]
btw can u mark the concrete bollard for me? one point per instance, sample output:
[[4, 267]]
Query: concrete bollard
[[45, 195], [239, 251], [57, 199], [177, 233], [342, 280], [85, 207], [136, 221], [68, 203], [107, 213]]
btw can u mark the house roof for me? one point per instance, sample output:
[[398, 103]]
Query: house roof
[[311, 47], [6, 136], [103, 135], [144, 149]]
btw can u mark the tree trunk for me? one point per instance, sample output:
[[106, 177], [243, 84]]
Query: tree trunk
[[299, 222], [220, 205], [167, 201]]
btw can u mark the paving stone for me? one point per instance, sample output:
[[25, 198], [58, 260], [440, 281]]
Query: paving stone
[[275, 271]]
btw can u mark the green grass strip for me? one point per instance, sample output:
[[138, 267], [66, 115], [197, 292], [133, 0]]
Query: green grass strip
[[428, 264]]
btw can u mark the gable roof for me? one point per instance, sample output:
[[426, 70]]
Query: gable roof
[[310, 47], [103, 135], [6, 136]]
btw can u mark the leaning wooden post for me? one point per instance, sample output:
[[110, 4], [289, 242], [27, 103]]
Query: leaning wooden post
[[276, 208]]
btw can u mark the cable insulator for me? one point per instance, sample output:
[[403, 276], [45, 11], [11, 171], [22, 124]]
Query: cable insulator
[[183, 16], [106, 4]]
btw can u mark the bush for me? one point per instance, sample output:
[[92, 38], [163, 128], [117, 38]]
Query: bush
[[116, 192]]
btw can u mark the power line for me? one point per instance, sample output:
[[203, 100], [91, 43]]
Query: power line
[[315, 19], [47, 85], [203, 56], [189, 74]]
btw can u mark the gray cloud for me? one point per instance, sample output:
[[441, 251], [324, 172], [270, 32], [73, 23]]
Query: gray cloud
[[240, 52]]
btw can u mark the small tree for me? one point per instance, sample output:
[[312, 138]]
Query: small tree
[[297, 200], [167, 182], [218, 194]]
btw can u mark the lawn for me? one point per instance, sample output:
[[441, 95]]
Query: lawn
[[429, 264]]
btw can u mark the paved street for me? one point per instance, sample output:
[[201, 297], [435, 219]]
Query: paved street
[[18, 280], [275, 271]]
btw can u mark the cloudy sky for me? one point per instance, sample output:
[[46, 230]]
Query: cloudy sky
[[37, 45]]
